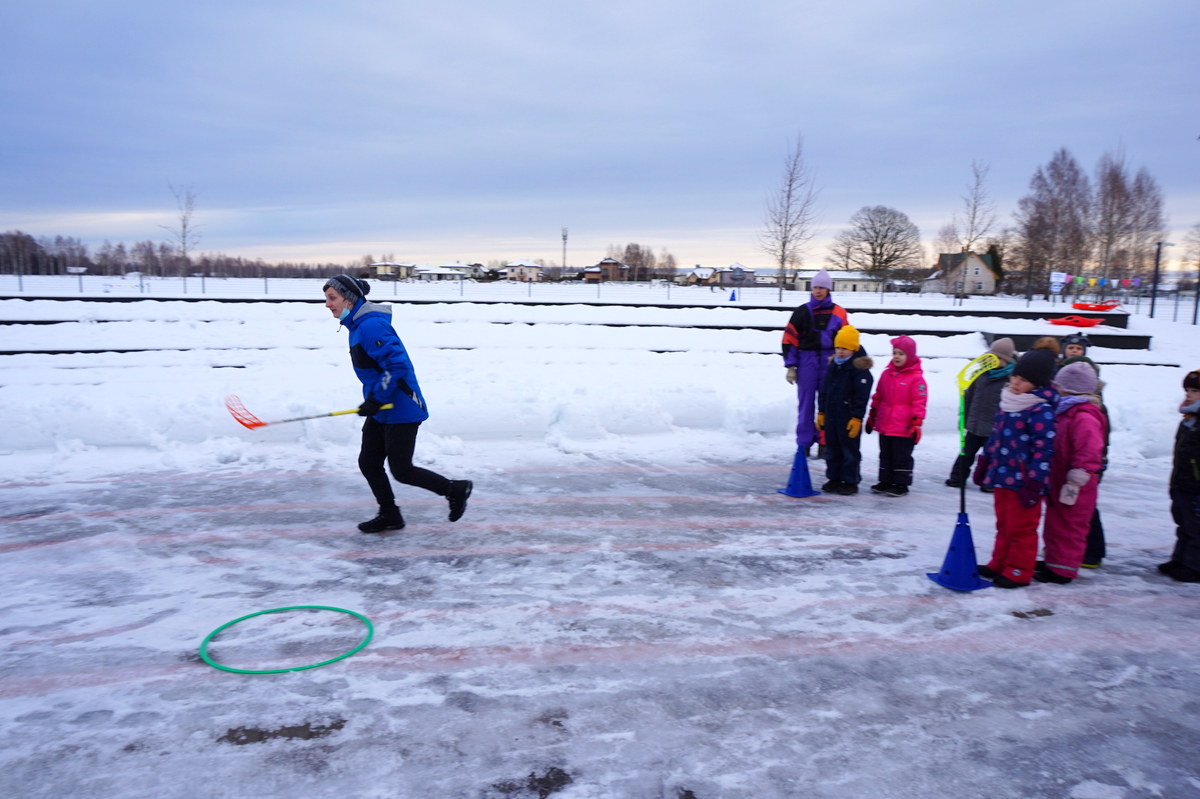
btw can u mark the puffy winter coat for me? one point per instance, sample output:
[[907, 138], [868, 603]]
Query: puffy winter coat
[[1021, 445], [846, 389], [1185, 468], [1079, 435], [982, 398], [382, 364], [901, 395], [811, 328]]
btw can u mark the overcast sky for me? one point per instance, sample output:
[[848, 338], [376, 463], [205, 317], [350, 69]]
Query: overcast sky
[[476, 131]]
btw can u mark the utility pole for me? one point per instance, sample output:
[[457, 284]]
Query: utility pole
[[1157, 260], [564, 260]]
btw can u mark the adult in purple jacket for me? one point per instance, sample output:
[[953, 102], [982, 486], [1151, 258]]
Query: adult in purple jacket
[[807, 348]]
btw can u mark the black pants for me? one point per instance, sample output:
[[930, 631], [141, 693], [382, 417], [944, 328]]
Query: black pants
[[1187, 529], [394, 444], [962, 467], [1096, 550], [843, 454], [896, 460]]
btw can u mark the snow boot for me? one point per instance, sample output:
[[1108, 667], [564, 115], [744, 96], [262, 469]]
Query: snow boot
[[880, 488], [1044, 574], [457, 496], [1000, 581], [846, 489], [954, 482], [1168, 567], [986, 572], [1183, 574], [388, 519], [831, 486], [896, 490]]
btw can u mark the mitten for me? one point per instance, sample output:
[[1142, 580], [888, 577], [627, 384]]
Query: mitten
[[871, 422], [854, 426], [914, 430], [981, 469], [1076, 479], [791, 375], [1030, 493], [820, 421], [369, 407]]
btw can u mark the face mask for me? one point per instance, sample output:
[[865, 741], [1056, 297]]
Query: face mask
[[840, 361], [343, 314]]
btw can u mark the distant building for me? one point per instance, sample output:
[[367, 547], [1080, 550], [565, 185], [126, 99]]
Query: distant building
[[390, 270], [963, 273], [454, 271], [609, 269], [523, 271], [843, 280]]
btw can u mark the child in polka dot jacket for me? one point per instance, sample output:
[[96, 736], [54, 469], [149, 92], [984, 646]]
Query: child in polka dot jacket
[[1016, 463]]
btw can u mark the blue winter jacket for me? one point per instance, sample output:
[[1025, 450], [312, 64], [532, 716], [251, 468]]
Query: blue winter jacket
[[382, 364]]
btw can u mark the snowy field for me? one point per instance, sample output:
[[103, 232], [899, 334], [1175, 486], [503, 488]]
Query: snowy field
[[628, 608]]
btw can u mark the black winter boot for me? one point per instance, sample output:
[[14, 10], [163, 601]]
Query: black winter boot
[[457, 495], [388, 519], [1043, 574]]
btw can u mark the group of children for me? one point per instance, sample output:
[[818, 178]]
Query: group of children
[[1040, 429], [897, 411]]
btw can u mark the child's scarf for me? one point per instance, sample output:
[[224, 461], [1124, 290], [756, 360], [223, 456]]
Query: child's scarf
[[1190, 414]]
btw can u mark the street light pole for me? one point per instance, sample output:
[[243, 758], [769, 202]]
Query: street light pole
[[1157, 260]]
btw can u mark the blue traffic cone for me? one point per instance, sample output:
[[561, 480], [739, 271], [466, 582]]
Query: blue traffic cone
[[799, 484], [960, 572], [733, 296]]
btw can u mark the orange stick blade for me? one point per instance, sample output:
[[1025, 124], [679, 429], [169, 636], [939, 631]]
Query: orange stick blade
[[243, 416]]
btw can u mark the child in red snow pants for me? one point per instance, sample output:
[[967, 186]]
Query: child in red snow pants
[[1015, 551]]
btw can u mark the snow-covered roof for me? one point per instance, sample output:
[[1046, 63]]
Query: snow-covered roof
[[836, 274], [523, 263], [438, 270]]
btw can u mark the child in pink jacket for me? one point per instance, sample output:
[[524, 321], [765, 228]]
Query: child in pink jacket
[[1080, 428], [897, 412]]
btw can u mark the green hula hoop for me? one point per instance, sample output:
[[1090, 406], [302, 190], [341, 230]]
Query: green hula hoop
[[366, 640]]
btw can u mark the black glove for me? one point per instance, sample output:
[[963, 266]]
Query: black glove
[[370, 407]]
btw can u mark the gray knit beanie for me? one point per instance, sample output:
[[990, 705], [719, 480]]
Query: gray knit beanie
[[351, 288], [1004, 349]]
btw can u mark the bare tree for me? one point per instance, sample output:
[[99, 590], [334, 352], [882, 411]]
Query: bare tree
[[979, 212], [1053, 221], [878, 241], [790, 213], [184, 234], [948, 240], [1111, 212], [1146, 221]]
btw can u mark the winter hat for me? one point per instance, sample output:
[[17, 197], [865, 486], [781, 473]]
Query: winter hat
[[351, 288], [1076, 338], [1076, 378], [906, 345], [1004, 349], [1036, 366], [1192, 379], [846, 338], [1048, 343], [822, 280]]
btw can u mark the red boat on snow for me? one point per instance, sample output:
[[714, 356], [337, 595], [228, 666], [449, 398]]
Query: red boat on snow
[[1094, 306]]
